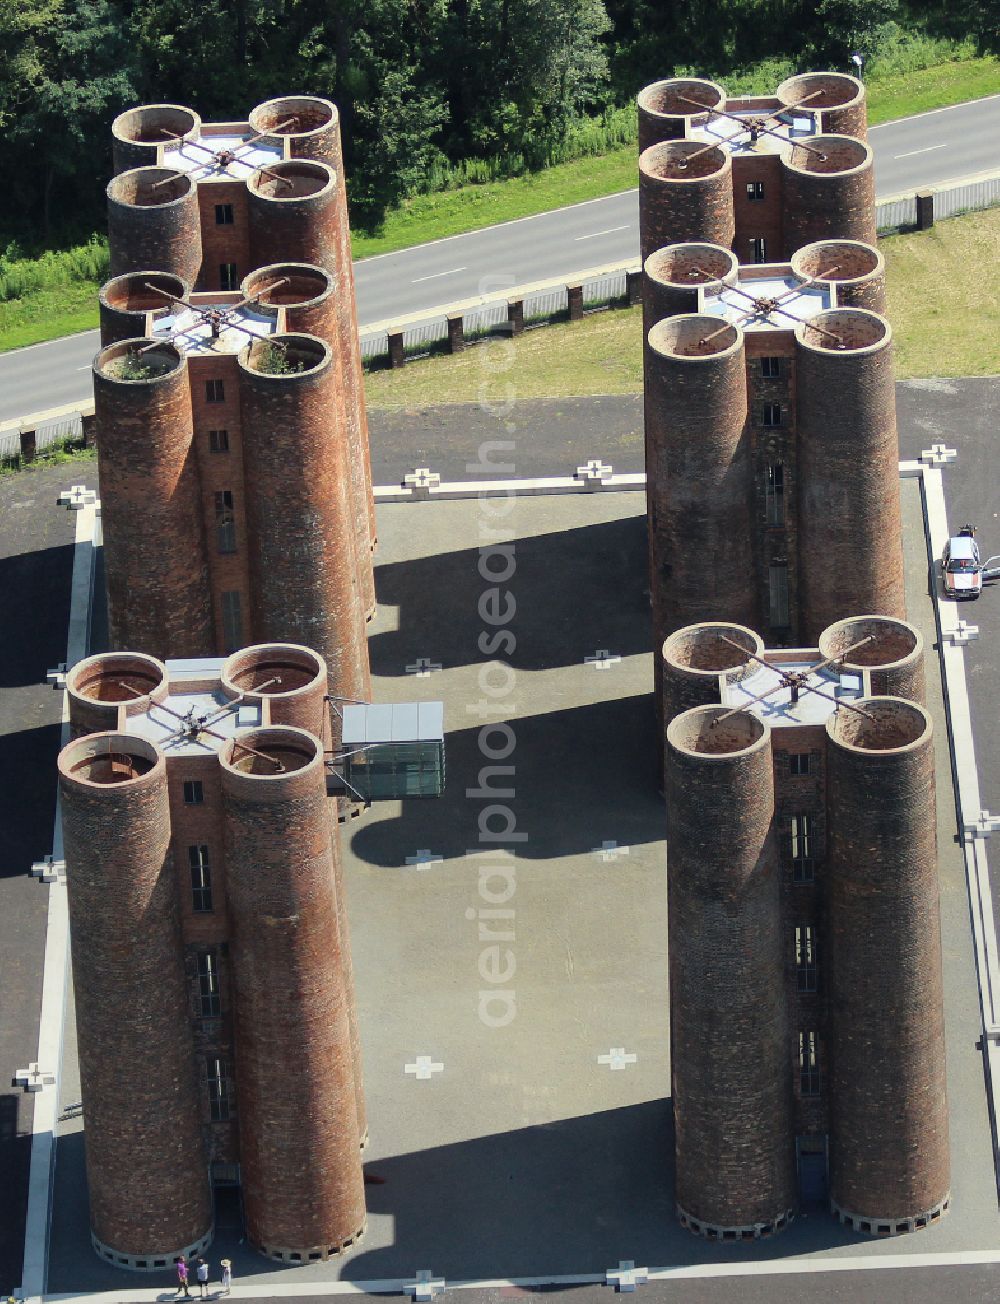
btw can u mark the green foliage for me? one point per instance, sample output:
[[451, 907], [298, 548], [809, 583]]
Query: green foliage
[[20, 276], [273, 360], [130, 366]]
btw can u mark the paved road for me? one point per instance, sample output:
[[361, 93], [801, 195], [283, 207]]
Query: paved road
[[927, 149]]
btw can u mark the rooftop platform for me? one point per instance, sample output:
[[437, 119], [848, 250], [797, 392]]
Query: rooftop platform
[[782, 708], [221, 153], [734, 135], [767, 284], [196, 696], [193, 335]]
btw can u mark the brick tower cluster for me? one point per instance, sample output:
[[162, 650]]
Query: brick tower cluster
[[807, 1021], [771, 443], [231, 426], [215, 1006]]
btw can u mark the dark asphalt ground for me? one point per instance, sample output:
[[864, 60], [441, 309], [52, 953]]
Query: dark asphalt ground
[[36, 560]]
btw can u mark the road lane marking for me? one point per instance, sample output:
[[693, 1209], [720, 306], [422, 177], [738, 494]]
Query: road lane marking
[[86, 367], [610, 231], [434, 275], [926, 150]]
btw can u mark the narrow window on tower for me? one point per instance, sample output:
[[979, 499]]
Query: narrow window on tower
[[201, 879], [208, 985], [225, 521], [755, 191], [194, 792], [809, 1077], [215, 391], [218, 441], [758, 249], [228, 279], [798, 763], [223, 215], [777, 585], [219, 1095], [232, 621], [774, 494], [770, 368], [800, 847], [806, 968], [772, 414]]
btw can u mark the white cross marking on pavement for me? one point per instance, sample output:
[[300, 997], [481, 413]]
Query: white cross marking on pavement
[[617, 1058], [33, 1078], [423, 667], [48, 870], [984, 825], [76, 497], [426, 1286], [610, 851], [603, 659], [962, 634], [424, 1068], [594, 472], [423, 856], [626, 1276], [421, 480], [938, 455]]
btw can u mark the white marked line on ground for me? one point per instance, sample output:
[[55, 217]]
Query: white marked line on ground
[[927, 149], [86, 367], [434, 275], [610, 231]]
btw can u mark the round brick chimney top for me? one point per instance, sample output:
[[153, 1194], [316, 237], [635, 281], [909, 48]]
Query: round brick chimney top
[[671, 98], [685, 265], [694, 337], [298, 178], [683, 160], [707, 649], [887, 725], [845, 330], [702, 732], [110, 759], [830, 156], [154, 124], [273, 670], [825, 90], [892, 644], [271, 755], [308, 113], [149, 187], [303, 285], [838, 262], [111, 677]]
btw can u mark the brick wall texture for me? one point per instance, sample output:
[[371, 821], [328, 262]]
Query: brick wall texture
[[146, 1167], [889, 1119], [302, 1179], [729, 1035], [159, 229], [154, 540]]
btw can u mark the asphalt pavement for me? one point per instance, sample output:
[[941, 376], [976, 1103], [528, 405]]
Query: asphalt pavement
[[928, 149]]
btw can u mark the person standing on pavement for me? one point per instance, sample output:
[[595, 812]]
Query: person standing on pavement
[[201, 1272], [182, 1276], [227, 1274]]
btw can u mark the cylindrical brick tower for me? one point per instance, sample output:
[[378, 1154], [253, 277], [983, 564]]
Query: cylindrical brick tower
[[126, 301], [856, 269], [293, 211], [139, 134], [699, 483], [850, 554], [301, 531], [146, 1165], [314, 133], [889, 1162], [153, 221], [835, 99], [694, 657], [294, 681], [303, 1186], [312, 307], [893, 654], [674, 274], [154, 544], [685, 198], [100, 686], [829, 192], [666, 111], [735, 1171]]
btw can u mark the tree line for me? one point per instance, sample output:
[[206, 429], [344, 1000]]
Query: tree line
[[422, 85]]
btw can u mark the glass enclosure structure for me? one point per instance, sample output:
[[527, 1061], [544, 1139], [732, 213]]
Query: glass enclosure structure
[[395, 750]]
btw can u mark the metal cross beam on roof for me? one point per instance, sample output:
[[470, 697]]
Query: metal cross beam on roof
[[755, 126], [796, 681], [193, 725], [216, 318], [765, 307]]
